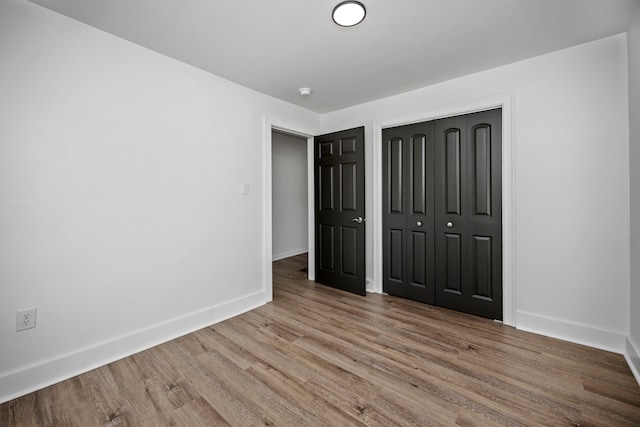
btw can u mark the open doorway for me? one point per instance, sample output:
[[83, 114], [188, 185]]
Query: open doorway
[[289, 195], [280, 126]]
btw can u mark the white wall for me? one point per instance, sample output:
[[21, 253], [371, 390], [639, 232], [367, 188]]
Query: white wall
[[121, 214], [290, 195], [571, 183], [633, 40]]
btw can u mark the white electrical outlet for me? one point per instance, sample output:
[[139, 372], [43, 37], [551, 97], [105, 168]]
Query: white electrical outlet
[[26, 319]]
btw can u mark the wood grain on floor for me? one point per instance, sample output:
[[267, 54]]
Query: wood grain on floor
[[316, 356]]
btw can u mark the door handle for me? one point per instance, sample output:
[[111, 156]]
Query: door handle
[[358, 220], [449, 224]]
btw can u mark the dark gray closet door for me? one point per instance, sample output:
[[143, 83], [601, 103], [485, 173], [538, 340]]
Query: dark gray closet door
[[408, 211], [468, 218], [442, 212], [339, 210]]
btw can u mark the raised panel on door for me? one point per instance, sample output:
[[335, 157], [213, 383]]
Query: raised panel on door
[[452, 172], [326, 149], [396, 259], [394, 262], [326, 197], [419, 283], [417, 173], [452, 255], [481, 152], [482, 276], [348, 190], [394, 177], [349, 250], [348, 145], [327, 247], [339, 187]]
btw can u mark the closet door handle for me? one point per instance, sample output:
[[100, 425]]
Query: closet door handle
[[449, 224]]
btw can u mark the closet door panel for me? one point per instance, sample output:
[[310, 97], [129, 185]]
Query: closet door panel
[[394, 211], [468, 218], [419, 218]]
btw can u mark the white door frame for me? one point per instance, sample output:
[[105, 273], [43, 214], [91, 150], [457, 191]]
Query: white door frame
[[504, 101], [271, 124]]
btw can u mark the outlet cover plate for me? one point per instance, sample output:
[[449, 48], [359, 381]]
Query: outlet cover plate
[[26, 319]]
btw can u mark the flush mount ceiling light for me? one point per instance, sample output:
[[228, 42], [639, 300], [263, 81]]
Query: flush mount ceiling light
[[349, 13], [305, 91]]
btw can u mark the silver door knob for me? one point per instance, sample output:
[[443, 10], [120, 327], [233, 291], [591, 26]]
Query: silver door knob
[[419, 223], [358, 220], [449, 224]]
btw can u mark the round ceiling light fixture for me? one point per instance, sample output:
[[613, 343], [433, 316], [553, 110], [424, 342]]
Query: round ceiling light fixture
[[349, 13]]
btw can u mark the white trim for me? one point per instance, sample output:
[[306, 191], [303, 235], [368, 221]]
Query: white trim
[[287, 254], [572, 332], [35, 377], [311, 220], [271, 124], [375, 285], [267, 203], [504, 101], [632, 356]]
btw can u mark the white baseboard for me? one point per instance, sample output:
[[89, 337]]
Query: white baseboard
[[572, 332], [283, 255], [26, 380], [632, 355], [371, 287]]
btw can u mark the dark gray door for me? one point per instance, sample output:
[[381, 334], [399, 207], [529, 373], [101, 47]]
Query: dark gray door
[[442, 218], [468, 219], [339, 210], [408, 211]]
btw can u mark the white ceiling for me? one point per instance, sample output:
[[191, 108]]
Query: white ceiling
[[278, 46]]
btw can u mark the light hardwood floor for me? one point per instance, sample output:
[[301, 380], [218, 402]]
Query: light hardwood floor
[[316, 356]]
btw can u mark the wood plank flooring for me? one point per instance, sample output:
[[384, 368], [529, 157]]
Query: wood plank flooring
[[316, 356]]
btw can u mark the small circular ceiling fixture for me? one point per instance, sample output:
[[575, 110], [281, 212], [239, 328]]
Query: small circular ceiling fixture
[[349, 13], [305, 91]]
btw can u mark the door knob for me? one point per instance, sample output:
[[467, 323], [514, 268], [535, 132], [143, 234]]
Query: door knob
[[358, 220], [419, 223], [449, 224]]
